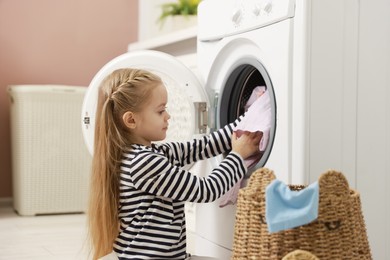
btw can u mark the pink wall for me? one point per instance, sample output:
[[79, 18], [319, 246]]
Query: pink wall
[[57, 42]]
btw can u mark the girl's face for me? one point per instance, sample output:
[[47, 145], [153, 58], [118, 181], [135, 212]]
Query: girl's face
[[151, 123]]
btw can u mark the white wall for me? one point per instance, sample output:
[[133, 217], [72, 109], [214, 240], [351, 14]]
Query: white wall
[[350, 118], [373, 124], [149, 12]]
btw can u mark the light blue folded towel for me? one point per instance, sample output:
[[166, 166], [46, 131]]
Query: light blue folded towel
[[287, 209]]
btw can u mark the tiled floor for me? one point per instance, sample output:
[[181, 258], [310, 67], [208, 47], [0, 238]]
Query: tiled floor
[[54, 237], [57, 237]]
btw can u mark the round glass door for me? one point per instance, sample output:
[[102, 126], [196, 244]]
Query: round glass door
[[185, 93], [240, 85]]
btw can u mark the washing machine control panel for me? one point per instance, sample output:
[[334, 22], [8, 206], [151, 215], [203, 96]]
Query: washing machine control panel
[[238, 16], [257, 13], [256, 8]]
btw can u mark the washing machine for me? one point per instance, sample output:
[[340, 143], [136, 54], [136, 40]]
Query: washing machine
[[305, 53], [248, 44]]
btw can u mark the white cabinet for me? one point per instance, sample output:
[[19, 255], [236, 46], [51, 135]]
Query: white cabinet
[[176, 43]]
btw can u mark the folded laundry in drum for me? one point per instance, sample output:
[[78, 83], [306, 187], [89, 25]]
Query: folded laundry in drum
[[256, 118]]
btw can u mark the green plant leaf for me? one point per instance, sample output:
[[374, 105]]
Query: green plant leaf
[[180, 7]]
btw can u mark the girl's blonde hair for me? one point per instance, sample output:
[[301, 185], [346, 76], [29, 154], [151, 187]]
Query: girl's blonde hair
[[121, 91]]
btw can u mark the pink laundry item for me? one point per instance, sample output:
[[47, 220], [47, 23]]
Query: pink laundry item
[[257, 118], [256, 93]]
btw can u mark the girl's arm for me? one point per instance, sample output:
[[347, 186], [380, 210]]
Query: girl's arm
[[153, 173], [208, 146]]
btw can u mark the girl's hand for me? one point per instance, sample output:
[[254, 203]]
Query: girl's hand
[[247, 144]]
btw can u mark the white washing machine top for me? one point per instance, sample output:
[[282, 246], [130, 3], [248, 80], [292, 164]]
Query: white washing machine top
[[235, 17], [187, 100]]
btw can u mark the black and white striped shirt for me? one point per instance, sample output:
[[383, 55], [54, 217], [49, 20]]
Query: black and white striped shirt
[[154, 187]]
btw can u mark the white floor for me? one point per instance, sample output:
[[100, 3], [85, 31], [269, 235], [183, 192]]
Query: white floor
[[51, 237]]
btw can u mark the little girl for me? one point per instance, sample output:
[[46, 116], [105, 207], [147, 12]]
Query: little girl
[[138, 188]]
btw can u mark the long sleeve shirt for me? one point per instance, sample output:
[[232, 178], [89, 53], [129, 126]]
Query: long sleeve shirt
[[154, 188]]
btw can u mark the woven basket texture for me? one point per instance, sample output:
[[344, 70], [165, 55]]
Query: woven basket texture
[[339, 232]]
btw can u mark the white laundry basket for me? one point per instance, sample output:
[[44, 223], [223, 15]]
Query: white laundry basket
[[50, 162]]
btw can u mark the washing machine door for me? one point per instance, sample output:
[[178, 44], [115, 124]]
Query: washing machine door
[[187, 99], [234, 76]]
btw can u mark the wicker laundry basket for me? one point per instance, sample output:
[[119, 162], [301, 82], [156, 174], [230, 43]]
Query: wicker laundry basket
[[339, 232]]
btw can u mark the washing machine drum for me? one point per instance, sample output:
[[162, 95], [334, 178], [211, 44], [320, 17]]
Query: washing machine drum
[[234, 97]]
